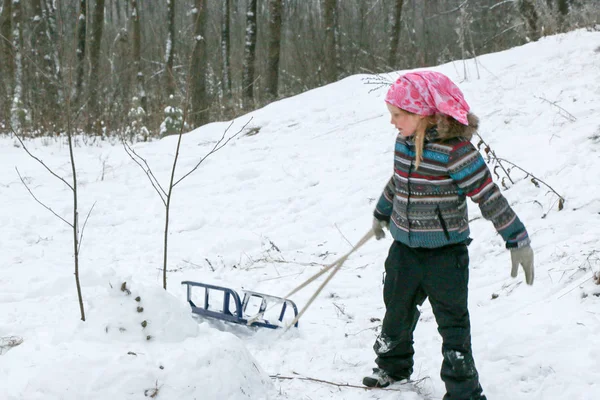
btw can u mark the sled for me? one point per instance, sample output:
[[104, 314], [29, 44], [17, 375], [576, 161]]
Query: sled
[[238, 315]]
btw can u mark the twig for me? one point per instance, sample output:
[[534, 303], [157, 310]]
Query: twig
[[578, 283], [379, 81], [346, 385], [501, 3], [535, 180], [279, 277], [501, 33], [37, 159], [569, 116], [83, 227], [153, 392], [345, 238], [460, 6], [147, 170], [340, 309], [491, 152], [42, 204], [218, 146], [373, 328]]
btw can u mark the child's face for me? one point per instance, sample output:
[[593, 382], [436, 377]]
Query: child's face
[[406, 123]]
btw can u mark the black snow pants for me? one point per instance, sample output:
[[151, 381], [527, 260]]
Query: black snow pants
[[442, 274]]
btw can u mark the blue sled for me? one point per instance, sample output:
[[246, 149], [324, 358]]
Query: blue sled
[[237, 316]]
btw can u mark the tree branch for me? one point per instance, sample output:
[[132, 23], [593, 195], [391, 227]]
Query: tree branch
[[83, 227], [218, 146], [42, 204], [37, 159], [501, 33], [569, 116], [147, 170], [346, 385], [491, 152], [455, 9], [535, 179]]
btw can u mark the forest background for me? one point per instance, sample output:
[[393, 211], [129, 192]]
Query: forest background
[[143, 69]]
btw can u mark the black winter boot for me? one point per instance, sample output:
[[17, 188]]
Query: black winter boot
[[380, 378]]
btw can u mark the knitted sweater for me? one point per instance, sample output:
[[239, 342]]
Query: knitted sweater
[[427, 207]]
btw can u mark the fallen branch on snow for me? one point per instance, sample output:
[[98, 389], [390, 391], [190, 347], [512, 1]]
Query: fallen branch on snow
[[345, 385]]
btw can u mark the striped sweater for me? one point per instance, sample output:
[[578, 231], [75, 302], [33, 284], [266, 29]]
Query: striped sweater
[[427, 207]]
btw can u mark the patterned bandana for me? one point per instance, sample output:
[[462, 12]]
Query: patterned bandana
[[428, 93]]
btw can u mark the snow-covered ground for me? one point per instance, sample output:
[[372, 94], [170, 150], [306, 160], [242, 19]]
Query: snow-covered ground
[[267, 211]]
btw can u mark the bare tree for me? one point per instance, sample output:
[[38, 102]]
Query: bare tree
[[77, 235], [140, 91], [47, 98], [95, 48], [249, 57], [226, 48], [18, 114], [199, 65], [166, 194], [332, 68], [54, 65], [81, 50], [530, 15], [6, 53], [272, 75], [170, 48], [563, 11], [395, 29]]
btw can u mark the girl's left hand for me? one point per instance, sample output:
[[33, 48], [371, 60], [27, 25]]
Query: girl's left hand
[[524, 257]]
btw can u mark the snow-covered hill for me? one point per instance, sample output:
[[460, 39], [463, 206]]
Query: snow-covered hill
[[267, 210]]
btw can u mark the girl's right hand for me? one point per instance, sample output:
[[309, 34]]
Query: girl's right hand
[[378, 226]]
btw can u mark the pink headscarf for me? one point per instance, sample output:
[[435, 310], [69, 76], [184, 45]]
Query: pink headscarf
[[428, 93]]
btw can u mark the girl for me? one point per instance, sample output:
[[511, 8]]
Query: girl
[[424, 206]]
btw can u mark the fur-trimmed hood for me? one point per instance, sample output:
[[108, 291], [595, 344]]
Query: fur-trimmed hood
[[449, 128]]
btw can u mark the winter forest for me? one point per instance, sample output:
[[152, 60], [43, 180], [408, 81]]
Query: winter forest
[[139, 68], [150, 147]]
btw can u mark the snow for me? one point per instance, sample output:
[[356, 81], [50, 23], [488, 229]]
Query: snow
[[266, 211]]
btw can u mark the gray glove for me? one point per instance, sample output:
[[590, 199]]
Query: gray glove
[[524, 257], [378, 226]]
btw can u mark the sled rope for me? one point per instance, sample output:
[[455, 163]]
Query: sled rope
[[334, 267]]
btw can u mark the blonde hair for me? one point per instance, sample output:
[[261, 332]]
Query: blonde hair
[[425, 124]]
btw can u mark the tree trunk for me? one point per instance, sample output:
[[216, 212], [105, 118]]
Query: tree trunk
[[200, 115], [81, 49], [7, 62], [45, 96], [563, 7], [331, 65], [563, 11], [140, 91], [226, 49], [117, 9], [18, 114], [95, 48], [249, 57], [395, 29], [529, 13], [170, 48], [272, 76], [52, 37]]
